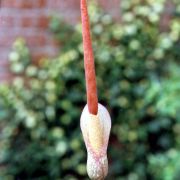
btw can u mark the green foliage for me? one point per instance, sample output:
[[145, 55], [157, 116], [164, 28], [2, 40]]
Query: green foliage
[[137, 75], [166, 166]]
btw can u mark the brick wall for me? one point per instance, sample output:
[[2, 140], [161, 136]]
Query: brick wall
[[29, 18]]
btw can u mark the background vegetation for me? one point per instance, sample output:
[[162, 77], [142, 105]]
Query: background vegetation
[[137, 66]]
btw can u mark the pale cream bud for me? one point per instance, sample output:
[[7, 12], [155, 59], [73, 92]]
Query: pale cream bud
[[96, 131]]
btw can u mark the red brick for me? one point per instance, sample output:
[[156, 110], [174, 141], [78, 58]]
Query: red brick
[[64, 5], [5, 77], [6, 40], [111, 7], [6, 21], [43, 52], [35, 40], [3, 60], [4, 67], [36, 21], [26, 21], [25, 4], [8, 3], [53, 42], [40, 3], [42, 22], [28, 4], [32, 3]]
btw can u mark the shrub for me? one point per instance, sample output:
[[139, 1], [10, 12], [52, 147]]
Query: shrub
[[137, 76]]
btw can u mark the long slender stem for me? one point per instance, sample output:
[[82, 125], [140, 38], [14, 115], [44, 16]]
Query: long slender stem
[[91, 89]]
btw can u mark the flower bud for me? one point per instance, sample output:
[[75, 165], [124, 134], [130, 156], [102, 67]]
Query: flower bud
[[96, 131]]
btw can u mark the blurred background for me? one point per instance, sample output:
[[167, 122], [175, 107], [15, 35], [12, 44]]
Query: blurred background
[[42, 90]]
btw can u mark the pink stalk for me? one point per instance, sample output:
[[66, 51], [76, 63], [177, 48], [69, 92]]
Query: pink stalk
[[91, 89]]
